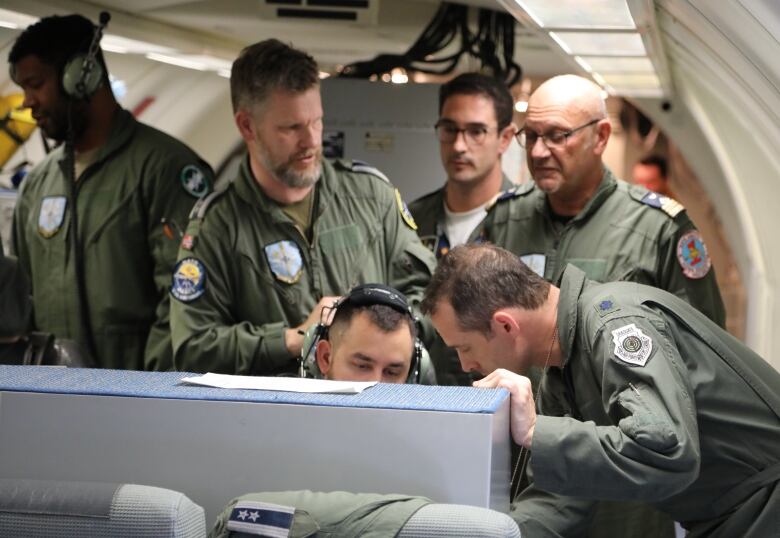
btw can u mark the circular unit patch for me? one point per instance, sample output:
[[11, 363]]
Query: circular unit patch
[[189, 280], [692, 255]]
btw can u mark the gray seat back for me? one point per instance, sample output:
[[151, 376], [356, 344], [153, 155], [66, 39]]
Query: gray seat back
[[458, 521]]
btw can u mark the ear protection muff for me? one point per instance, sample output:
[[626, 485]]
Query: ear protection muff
[[83, 73], [363, 295], [82, 76]]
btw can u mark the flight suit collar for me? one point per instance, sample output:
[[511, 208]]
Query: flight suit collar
[[572, 284], [123, 127], [249, 190], [605, 189]]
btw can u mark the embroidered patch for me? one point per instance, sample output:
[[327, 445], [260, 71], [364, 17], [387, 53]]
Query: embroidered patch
[[261, 519], [405, 213], [692, 255], [632, 345], [187, 242], [535, 262], [51, 216], [194, 181], [284, 259], [606, 306], [189, 280]]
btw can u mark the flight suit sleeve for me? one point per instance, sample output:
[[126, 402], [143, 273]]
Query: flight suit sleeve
[[207, 336], [648, 447], [169, 205], [19, 245], [411, 264], [681, 266]]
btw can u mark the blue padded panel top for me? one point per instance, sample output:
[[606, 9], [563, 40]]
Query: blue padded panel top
[[167, 385]]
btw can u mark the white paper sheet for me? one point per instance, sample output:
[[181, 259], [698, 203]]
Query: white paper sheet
[[286, 384]]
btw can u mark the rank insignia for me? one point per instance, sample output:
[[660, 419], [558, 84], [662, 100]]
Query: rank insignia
[[194, 181], [189, 280], [187, 242], [285, 261], [606, 306], [405, 213], [51, 216], [261, 519], [632, 346], [670, 206], [692, 255]]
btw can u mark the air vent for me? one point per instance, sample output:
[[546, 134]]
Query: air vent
[[357, 11]]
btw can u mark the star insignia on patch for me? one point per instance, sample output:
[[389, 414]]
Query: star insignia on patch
[[261, 519], [606, 306], [194, 181], [404, 210], [284, 259], [692, 255], [189, 280], [632, 346]]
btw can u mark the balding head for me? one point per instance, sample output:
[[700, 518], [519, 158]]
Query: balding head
[[578, 95], [566, 133]]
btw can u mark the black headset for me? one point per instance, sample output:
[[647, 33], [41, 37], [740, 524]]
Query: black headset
[[83, 73], [364, 295]]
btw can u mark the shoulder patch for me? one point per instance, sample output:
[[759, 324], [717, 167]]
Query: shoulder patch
[[261, 519], [404, 210], [189, 280], [632, 346], [194, 180], [670, 206], [692, 255]]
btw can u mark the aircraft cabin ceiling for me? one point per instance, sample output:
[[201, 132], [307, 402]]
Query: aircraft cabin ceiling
[[715, 80]]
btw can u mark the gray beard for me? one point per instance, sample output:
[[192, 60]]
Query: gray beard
[[289, 177]]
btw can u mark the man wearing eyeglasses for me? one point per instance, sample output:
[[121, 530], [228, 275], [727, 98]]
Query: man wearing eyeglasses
[[474, 130], [579, 213]]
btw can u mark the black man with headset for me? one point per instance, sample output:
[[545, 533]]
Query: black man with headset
[[97, 221]]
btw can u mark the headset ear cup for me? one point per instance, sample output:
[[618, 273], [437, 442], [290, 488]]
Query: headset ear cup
[[416, 365], [78, 82]]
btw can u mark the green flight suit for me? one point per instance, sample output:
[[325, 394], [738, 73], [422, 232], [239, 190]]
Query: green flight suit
[[254, 274], [428, 213], [623, 233], [664, 407], [140, 176], [338, 514]]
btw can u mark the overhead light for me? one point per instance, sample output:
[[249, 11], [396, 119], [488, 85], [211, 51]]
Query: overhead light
[[612, 64], [582, 63], [603, 14], [639, 81], [399, 76], [600, 43], [125, 45], [323, 75], [179, 61], [224, 73], [15, 20], [521, 106]]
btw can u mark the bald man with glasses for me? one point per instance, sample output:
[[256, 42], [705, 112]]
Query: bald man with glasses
[[577, 212]]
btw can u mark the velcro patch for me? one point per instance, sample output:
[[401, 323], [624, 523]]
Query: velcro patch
[[632, 346], [195, 181], [692, 255], [670, 206], [261, 519], [606, 306], [189, 280], [405, 213]]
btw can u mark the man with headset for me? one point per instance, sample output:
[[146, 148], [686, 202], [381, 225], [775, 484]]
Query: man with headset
[[372, 336], [260, 260], [96, 222]]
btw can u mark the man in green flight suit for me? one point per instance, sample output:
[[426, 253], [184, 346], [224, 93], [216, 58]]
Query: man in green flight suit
[[289, 235], [577, 212], [99, 249], [474, 130], [661, 405]]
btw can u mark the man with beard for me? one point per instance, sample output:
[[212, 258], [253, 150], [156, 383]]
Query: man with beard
[[289, 235], [94, 229]]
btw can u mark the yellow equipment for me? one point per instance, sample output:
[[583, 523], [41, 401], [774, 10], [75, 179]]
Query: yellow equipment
[[16, 125]]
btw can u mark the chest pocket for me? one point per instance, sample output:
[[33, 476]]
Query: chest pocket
[[338, 240], [593, 269]]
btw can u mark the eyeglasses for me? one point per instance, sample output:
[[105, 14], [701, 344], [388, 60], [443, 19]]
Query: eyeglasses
[[474, 134], [553, 140]]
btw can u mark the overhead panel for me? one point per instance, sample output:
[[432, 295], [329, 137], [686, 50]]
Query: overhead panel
[[363, 12]]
